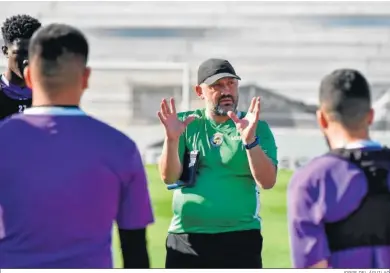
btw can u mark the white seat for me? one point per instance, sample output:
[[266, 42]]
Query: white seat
[[288, 65], [282, 51], [128, 48], [137, 20], [115, 81], [136, 8], [324, 36], [244, 8], [310, 8]]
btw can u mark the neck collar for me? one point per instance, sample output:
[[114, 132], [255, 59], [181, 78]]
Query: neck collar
[[364, 143], [55, 110]]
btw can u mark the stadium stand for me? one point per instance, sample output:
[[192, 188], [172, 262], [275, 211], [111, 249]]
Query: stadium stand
[[280, 49]]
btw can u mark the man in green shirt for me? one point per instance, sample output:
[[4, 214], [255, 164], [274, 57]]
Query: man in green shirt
[[216, 222]]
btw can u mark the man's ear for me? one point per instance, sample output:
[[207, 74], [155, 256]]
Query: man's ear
[[4, 49], [322, 119], [199, 91], [371, 116], [87, 74], [27, 77]]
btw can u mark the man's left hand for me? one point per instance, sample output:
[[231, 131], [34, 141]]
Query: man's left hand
[[247, 125]]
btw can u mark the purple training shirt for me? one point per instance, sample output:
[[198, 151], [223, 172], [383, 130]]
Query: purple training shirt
[[64, 179], [327, 190]]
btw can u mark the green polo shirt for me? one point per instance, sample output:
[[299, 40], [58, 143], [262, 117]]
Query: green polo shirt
[[225, 197]]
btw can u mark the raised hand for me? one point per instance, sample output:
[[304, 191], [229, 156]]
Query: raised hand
[[247, 125], [168, 117]]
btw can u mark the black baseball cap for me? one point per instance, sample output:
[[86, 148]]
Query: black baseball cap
[[213, 70], [342, 85]]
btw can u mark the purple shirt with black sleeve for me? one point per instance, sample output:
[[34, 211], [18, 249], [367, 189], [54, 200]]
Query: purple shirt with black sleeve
[[65, 178], [328, 189]]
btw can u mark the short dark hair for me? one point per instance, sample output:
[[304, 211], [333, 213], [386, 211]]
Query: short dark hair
[[56, 47], [55, 40], [19, 27], [345, 94]]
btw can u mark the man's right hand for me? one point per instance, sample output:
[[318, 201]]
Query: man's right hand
[[168, 117]]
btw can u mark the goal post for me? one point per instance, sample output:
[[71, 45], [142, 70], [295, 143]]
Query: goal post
[[184, 68]]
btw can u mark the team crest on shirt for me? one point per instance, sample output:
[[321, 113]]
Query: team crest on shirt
[[216, 140]]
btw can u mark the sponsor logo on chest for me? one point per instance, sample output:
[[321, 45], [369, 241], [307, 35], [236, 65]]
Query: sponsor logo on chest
[[217, 139]]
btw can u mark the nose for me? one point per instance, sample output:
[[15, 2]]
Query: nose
[[225, 91]]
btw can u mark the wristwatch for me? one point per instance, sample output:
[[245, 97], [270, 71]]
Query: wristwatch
[[253, 144]]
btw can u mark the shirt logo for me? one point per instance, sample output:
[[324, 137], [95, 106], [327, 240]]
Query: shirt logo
[[235, 138], [216, 140]]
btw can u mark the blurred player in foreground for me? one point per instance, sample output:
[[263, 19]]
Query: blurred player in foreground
[[339, 204], [15, 96], [216, 221], [67, 176]]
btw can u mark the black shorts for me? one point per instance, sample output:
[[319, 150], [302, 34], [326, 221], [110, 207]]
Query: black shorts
[[239, 249]]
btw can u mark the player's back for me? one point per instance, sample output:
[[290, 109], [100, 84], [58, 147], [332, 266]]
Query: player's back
[[62, 179], [344, 194]]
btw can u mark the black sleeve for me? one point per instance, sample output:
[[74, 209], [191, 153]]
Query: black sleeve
[[134, 248]]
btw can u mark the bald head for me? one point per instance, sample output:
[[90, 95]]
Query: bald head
[[58, 56]]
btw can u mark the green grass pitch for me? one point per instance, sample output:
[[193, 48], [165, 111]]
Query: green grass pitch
[[276, 252]]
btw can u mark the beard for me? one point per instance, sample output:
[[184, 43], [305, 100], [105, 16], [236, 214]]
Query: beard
[[221, 109]]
